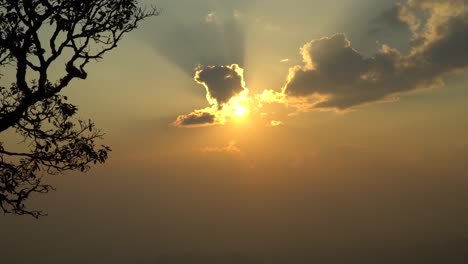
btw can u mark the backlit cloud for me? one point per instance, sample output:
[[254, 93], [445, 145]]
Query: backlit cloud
[[221, 82], [334, 76], [198, 118], [226, 93]]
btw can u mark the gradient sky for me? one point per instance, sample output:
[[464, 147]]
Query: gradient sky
[[375, 176]]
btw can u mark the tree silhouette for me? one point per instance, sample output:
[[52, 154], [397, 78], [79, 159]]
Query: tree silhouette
[[37, 36]]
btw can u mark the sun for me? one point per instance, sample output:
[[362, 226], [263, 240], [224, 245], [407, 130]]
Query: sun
[[241, 111]]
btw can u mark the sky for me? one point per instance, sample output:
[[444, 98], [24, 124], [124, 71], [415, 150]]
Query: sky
[[269, 132]]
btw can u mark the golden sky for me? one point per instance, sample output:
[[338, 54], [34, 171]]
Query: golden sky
[[265, 130]]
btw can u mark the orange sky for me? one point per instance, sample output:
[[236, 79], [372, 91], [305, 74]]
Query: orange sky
[[285, 178]]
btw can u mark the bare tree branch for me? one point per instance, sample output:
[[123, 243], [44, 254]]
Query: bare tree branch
[[54, 140]]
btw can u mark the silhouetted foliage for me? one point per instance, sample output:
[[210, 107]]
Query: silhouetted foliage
[[36, 36]]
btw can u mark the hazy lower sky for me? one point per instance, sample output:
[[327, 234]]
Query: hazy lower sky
[[269, 132]]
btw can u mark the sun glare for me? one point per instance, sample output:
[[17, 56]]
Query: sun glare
[[241, 111]]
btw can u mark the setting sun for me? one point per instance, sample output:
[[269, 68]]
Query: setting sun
[[241, 111]]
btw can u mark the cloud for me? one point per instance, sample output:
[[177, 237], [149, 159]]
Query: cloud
[[226, 93], [335, 76], [439, 6], [221, 82], [275, 123], [197, 119]]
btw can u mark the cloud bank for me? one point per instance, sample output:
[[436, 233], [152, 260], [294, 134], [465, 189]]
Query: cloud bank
[[334, 76]]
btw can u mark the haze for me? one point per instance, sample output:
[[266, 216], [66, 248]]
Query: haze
[[348, 150]]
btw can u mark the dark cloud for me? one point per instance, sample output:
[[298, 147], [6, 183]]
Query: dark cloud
[[449, 51], [340, 77], [330, 65], [225, 88], [196, 118], [221, 82]]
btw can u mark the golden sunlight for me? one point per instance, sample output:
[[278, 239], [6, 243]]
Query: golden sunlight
[[241, 111]]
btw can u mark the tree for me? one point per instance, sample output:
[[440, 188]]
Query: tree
[[37, 36]]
